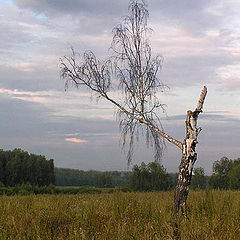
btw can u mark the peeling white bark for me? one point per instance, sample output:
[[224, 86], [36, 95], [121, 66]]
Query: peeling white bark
[[189, 156]]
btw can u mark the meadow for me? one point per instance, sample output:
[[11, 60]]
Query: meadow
[[211, 214]]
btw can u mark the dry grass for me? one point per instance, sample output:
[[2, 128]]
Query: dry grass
[[119, 216]]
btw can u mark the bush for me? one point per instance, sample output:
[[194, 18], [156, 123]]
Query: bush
[[77, 190], [234, 178], [23, 192], [1, 185], [125, 188]]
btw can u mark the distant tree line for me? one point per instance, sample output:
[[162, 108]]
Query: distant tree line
[[19, 167], [74, 177], [152, 177]]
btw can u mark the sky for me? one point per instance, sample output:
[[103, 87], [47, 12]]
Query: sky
[[198, 40]]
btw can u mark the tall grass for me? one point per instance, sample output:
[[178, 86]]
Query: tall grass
[[119, 216]]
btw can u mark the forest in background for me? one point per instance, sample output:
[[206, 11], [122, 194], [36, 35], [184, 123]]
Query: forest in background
[[75, 177], [154, 177], [35, 174], [19, 167]]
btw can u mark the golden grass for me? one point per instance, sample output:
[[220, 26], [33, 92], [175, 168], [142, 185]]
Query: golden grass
[[119, 216]]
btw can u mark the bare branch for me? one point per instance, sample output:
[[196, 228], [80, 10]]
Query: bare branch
[[136, 70]]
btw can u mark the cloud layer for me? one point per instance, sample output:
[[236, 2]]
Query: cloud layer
[[200, 43]]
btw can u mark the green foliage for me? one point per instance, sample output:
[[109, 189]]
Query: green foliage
[[151, 177], [226, 174], [103, 180], [74, 177], [125, 188], [27, 189], [19, 167], [221, 170], [1, 185], [77, 190], [216, 181], [198, 179], [234, 177]]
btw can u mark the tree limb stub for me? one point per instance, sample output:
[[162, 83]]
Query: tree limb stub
[[189, 156], [201, 99], [191, 125]]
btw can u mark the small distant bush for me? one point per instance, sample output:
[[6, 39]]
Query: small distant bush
[[88, 189], [125, 188], [77, 190], [23, 192], [1, 185], [27, 189]]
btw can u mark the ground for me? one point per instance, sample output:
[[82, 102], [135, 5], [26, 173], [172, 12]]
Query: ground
[[119, 216]]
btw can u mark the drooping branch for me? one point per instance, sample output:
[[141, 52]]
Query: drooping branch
[[146, 122], [136, 70], [134, 67], [80, 75]]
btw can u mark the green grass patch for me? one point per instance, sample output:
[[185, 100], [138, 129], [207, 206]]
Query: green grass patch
[[119, 216]]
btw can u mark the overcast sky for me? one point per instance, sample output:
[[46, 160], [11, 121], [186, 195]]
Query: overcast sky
[[200, 44]]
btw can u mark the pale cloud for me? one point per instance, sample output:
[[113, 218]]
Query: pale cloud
[[64, 104], [76, 140], [24, 66], [229, 76], [212, 33], [28, 94], [71, 134], [230, 39], [104, 117], [176, 42]]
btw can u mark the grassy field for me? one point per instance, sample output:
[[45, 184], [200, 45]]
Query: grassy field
[[211, 215]]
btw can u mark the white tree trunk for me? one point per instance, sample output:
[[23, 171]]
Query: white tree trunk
[[189, 157]]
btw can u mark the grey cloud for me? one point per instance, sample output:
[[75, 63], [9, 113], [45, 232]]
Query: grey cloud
[[36, 132], [36, 80], [28, 126], [73, 6], [213, 117], [191, 14], [29, 118], [221, 118], [12, 38], [33, 119], [87, 25], [76, 17], [176, 71], [180, 71]]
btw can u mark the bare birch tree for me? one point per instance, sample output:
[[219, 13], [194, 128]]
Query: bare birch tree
[[136, 70]]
